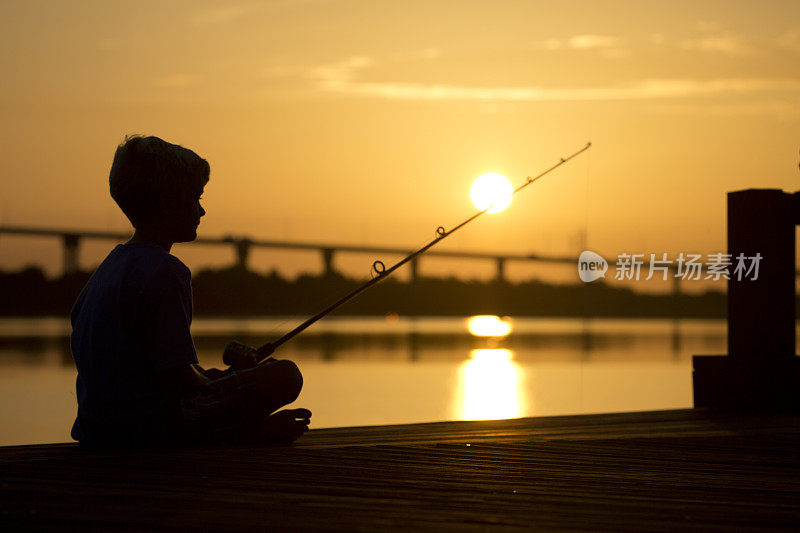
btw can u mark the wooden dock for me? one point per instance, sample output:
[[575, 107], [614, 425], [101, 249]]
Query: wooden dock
[[663, 470]]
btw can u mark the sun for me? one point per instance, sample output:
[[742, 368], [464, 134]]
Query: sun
[[491, 192]]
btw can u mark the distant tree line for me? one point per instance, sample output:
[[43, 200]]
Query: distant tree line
[[236, 291]]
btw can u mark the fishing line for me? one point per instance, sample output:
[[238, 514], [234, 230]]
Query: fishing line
[[586, 323], [586, 202], [239, 354]]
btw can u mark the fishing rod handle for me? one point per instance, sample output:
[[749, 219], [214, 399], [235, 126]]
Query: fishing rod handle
[[239, 355], [265, 352]]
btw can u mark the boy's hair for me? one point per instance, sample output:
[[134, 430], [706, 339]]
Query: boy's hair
[[145, 168]]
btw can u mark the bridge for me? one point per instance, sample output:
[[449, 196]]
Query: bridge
[[71, 240]]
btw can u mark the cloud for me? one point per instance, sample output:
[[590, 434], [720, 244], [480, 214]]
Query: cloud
[[342, 82], [583, 42], [339, 75], [345, 77], [342, 78], [724, 44], [646, 89], [606, 45], [790, 40], [229, 12], [778, 109]]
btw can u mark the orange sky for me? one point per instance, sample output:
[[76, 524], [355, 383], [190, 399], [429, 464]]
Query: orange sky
[[366, 122]]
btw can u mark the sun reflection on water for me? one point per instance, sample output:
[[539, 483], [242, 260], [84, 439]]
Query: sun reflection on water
[[490, 386], [488, 326]]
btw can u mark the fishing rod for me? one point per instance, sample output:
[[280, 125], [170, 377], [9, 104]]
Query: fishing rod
[[237, 354]]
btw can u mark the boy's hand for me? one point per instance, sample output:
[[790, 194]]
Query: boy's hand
[[239, 356], [214, 373]]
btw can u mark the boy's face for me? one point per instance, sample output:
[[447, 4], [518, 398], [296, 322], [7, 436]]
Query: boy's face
[[185, 213]]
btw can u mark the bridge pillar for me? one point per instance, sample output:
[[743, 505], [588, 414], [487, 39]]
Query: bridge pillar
[[676, 294], [71, 242], [676, 284], [242, 251], [501, 269], [327, 261], [414, 265], [676, 312]]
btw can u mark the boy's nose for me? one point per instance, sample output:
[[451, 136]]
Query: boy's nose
[[202, 211]]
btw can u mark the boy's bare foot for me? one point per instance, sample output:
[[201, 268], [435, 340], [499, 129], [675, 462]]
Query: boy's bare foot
[[284, 427]]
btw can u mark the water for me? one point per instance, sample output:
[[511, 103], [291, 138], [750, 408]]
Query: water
[[376, 370]]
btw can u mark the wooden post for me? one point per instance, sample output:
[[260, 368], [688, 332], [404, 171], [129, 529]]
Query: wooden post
[[761, 370]]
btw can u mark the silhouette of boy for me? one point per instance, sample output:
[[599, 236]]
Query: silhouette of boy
[[139, 382]]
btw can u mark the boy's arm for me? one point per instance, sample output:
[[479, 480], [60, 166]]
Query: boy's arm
[[167, 314], [184, 378]]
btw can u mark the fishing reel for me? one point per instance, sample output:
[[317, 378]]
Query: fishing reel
[[238, 355]]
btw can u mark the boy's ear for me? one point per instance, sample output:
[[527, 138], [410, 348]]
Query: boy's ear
[[164, 204]]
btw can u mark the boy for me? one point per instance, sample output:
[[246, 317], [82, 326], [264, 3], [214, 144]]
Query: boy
[[138, 378]]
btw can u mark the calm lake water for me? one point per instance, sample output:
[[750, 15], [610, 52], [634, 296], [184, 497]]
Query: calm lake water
[[389, 370]]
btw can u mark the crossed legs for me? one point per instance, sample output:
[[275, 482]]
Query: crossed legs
[[241, 405]]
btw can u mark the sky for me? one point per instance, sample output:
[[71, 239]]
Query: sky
[[365, 122]]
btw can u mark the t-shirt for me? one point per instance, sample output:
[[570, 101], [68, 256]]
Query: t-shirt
[[130, 322]]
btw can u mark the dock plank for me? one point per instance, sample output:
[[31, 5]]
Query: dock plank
[[660, 470]]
